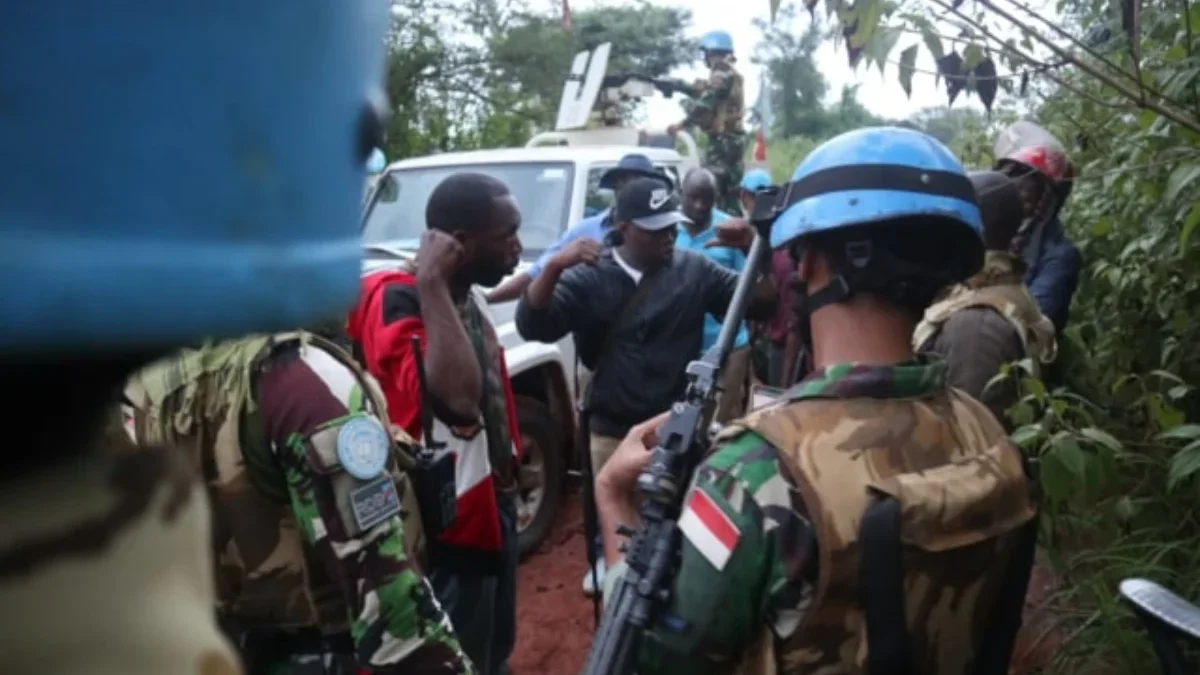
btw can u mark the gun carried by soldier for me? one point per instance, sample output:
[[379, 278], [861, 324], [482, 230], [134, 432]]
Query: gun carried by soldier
[[653, 550], [666, 86]]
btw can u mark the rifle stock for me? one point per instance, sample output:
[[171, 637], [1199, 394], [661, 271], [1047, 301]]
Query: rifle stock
[[652, 553]]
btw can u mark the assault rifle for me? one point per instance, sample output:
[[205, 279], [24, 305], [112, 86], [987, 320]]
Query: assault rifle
[[665, 85], [653, 550]]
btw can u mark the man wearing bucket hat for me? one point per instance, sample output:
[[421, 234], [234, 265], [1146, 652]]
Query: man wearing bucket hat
[[582, 242], [104, 555], [820, 532], [637, 315]]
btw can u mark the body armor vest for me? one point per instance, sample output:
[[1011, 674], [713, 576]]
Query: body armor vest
[[202, 402], [999, 285], [963, 495], [727, 118]]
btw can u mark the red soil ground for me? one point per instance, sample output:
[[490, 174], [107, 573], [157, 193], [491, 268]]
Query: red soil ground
[[554, 619]]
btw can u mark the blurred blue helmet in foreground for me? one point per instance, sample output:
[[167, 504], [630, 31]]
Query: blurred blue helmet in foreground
[[716, 41], [755, 180], [179, 170]]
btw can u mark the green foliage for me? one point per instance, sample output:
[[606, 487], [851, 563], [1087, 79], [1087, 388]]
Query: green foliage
[[466, 74]]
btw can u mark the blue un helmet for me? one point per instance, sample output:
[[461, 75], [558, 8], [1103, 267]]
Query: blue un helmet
[[894, 187], [179, 170], [755, 180], [716, 41]]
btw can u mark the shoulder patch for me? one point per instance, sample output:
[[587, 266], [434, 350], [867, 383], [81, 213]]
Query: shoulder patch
[[362, 447], [709, 529], [400, 301]]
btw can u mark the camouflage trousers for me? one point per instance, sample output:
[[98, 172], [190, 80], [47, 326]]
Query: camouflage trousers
[[725, 158]]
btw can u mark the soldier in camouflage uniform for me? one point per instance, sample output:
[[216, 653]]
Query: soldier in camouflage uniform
[[105, 564], [718, 109], [307, 491], [790, 522], [990, 319]]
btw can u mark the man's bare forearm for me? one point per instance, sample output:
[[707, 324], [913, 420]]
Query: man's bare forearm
[[510, 290], [614, 507], [450, 360]]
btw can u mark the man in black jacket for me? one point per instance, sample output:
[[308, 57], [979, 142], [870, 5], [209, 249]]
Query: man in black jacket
[[639, 365]]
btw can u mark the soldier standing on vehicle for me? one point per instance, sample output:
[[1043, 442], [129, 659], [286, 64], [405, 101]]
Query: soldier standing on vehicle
[[775, 573], [312, 562], [991, 319], [718, 110], [105, 565], [471, 239]]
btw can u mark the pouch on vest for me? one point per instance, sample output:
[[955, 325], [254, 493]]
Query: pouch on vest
[[950, 507]]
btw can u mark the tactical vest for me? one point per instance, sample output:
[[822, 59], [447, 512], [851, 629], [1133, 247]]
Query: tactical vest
[[1000, 287], [727, 118], [963, 495], [202, 402]]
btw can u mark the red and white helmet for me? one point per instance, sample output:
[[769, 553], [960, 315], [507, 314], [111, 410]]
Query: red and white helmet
[[1029, 145]]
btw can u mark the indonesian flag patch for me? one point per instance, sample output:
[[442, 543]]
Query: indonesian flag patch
[[707, 527]]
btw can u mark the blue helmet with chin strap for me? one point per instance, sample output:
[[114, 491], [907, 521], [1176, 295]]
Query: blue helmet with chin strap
[[885, 183], [179, 170], [755, 180], [716, 41]]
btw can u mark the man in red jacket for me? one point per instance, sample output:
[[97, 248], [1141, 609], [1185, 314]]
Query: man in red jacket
[[472, 222]]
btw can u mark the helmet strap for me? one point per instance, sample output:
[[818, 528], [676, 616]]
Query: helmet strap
[[862, 266]]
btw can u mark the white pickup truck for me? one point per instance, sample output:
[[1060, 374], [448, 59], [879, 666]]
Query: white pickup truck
[[555, 185]]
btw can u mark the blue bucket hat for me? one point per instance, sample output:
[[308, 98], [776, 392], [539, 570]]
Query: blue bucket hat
[[633, 164]]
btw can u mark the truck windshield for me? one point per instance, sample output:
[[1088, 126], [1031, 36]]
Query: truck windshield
[[542, 190]]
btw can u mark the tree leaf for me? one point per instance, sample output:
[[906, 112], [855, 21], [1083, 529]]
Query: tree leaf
[[1184, 431], [1067, 451], [986, 83], [882, 43], [1185, 463], [1189, 224], [908, 60], [1101, 437], [972, 55], [950, 67], [1024, 436], [933, 41], [1180, 178]]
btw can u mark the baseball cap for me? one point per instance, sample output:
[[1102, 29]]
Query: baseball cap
[[635, 164], [649, 204]]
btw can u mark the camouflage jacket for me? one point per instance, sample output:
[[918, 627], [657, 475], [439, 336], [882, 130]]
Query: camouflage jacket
[[768, 576], [999, 286], [299, 542], [103, 568], [721, 104]]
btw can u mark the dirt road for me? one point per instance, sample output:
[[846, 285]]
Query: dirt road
[[554, 618]]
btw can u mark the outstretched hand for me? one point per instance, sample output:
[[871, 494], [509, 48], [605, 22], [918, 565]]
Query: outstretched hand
[[734, 233]]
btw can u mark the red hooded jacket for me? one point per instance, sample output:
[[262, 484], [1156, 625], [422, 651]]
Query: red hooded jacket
[[382, 323]]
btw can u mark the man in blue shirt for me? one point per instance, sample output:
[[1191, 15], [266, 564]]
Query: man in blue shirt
[[699, 197], [587, 235]]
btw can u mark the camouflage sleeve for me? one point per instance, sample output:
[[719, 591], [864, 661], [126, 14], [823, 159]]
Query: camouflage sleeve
[[398, 625], [720, 84], [748, 554]]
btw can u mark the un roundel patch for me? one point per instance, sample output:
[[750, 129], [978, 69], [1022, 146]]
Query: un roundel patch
[[362, 447]]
